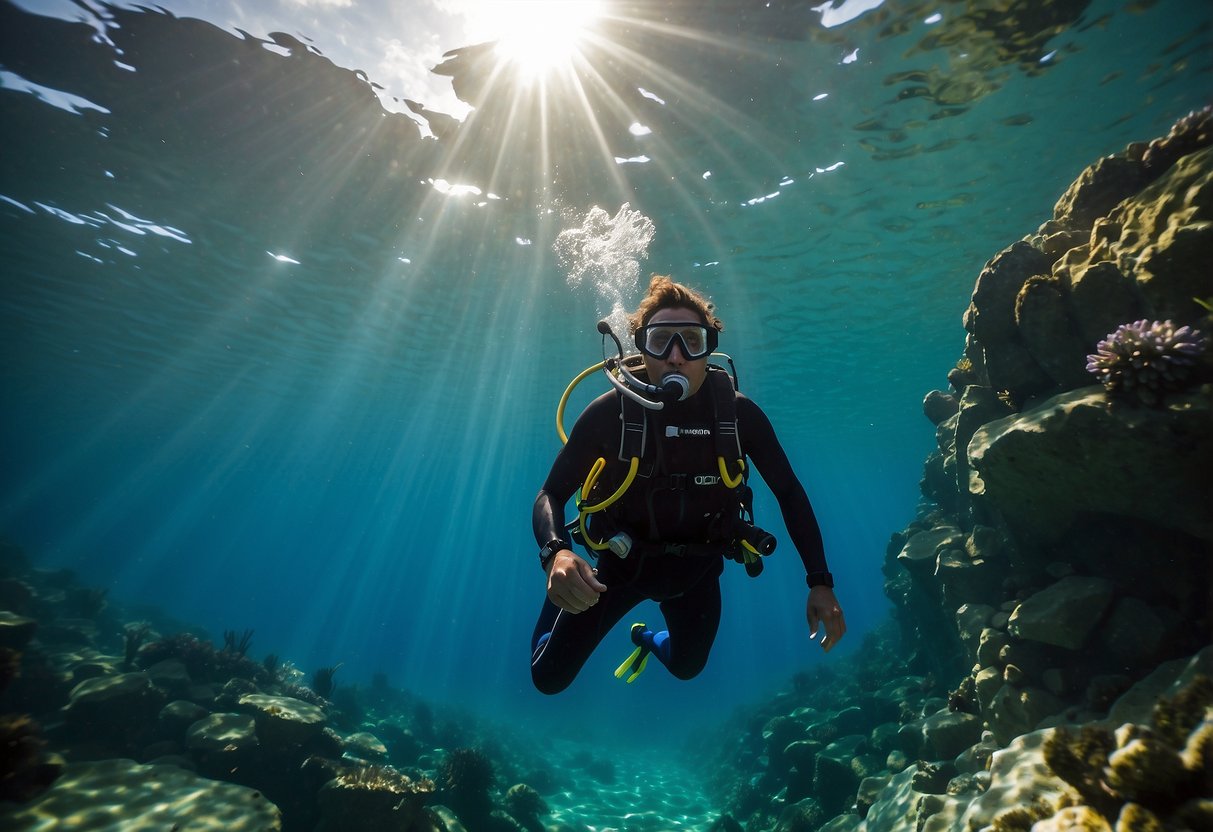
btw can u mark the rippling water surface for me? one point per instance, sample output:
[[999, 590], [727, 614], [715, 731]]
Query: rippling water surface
[[283, 342]]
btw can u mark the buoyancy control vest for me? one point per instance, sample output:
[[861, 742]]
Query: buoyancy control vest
[[689, 496]]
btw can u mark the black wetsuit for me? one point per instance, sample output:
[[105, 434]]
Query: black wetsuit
[[661, 509]]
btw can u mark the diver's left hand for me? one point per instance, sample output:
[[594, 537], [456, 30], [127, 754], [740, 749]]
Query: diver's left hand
[[823, 608]]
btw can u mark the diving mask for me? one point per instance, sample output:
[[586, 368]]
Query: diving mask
[[694, 339]]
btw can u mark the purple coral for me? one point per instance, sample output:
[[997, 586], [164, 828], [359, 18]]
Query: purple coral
[[1146, 358]]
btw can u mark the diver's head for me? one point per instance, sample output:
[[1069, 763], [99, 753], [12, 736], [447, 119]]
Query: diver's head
[[676, 330]]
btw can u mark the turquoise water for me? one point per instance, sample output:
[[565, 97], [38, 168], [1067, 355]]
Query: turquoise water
[[261, 372]]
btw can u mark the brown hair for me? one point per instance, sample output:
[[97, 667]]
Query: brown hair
[[665, 293]]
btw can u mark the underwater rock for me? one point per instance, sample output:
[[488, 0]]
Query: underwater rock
[[1043, 317], [120, 794], [1099, 189], [372, 797], [177, 716], [282, 720], [971, 621], [1019, 777], [896, 805], [946, 734], [938, 405], [365, 746], [170, 676], [1138, 703], [869, 789], [1080, 452], [16, 630], [990, 645], [919, 554], [802, 816], [964, 579], [120, 709], [1167, 237], [233, 735], [1135, 632], [835, 779], [931, 778], [1064, 614], [991, 313], [1102, 298], [1015, 711]]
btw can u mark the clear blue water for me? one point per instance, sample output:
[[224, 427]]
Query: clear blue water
[[260, 372]]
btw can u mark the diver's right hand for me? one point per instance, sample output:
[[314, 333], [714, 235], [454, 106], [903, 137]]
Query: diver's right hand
[[572, 584]]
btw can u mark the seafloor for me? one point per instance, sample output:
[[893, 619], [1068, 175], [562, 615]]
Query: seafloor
[[1046, 666]]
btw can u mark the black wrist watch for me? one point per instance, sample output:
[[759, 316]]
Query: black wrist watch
[[549, 551]]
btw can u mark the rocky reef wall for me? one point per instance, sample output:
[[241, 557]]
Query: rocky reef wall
[[1047, 665], [1064, 548]]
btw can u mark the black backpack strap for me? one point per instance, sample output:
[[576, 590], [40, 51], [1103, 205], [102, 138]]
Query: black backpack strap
[[634, 436], [724, 400]]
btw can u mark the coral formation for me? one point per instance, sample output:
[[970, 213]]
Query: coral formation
[[1141, 775], [525, 805], [466, 777], [322, 680], [1146, 359]]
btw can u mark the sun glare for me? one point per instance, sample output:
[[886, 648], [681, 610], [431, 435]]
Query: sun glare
[[538, 35]]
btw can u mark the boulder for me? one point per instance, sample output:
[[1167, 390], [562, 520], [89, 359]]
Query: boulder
[[1081, 452], [919, 554], [121, 794], [372, 797], [1043, 316], [971, 620], [177, 716], [991, 313], [1102, 299], [365, 746], [835, 778], [964, 579], [1099, 189], [1014, 711], [1135, 633], [283, 720], [223, 733], [16, 630], [938, 405], [120, 708], [1063, 614], [171, 676], [946, 734]]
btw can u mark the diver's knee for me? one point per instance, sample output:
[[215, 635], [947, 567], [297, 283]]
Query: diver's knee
[[687, 670], [548, 684]]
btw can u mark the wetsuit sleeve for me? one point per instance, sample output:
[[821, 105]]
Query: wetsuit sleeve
[[762, 447], [598, 423]]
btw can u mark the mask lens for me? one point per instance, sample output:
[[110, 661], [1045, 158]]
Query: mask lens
[[659, 340]]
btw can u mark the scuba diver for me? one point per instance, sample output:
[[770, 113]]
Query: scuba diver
[[664, 502]]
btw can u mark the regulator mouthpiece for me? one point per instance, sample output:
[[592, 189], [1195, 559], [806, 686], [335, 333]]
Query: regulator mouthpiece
[[675, 387]]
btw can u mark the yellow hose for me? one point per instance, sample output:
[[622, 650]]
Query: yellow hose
[[585, 511], [593, 478], [731, 482], [564, 438]]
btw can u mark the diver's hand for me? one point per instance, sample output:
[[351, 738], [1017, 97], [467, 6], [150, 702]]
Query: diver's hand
[[823, 608], [572, 585]]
